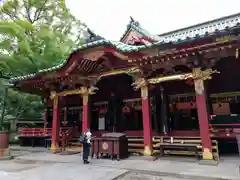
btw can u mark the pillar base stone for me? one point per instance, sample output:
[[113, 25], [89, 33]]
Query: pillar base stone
[[148, 151], [54, 148], [5, 154], [6, 158], [148, 154], [207, 154], [208, 162]]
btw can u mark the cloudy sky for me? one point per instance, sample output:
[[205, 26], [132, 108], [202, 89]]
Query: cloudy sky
[[109, 18]]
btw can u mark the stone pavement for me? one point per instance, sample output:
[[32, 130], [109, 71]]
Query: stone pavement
[[143, 176], [60, 171], [227, 169]]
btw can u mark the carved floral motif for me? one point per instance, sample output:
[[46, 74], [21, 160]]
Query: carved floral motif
[[83, 90], [200, 76], [140, 82], [203, 74]]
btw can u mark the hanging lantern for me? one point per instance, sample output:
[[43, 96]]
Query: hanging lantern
[[126, 109]]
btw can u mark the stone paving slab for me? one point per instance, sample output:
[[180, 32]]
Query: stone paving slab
[[142, 176], [29, 149], [16, 166], [225, 169], [64, 171]]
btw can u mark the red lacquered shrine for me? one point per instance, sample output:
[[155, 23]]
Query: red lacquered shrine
[[182, 83]]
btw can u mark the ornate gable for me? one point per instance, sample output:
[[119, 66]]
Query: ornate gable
[[136, 34]]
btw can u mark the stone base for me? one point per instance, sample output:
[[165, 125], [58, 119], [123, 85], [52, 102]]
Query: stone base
[[5, 154], [69, 152], [208, 162], [6, 158], [149, 158], [148, 151], [55, 151]]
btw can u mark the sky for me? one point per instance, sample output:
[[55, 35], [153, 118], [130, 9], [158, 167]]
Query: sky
[[109, 18]]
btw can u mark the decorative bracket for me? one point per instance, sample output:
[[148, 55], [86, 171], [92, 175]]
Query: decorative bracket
[[203, 74], [200, 76], [139, 83]]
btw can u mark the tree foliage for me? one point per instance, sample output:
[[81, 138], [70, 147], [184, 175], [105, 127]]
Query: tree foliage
[[34, 34]]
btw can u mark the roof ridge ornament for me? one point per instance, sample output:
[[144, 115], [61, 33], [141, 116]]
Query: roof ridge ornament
[[134, 22], [92, 36]]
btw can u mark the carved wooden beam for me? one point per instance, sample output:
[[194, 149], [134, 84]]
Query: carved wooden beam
[[83, 91], [196, 74], [128, 71]]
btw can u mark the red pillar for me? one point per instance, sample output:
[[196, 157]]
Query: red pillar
[[147, 124], [56, 124], [203, 117], [85, 113]]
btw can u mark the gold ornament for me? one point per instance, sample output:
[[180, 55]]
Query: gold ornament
[[55, 101], [160, 79], [105, 146], [203, 74], [200, 76], [53, 94], [144, 92], [92, 90], [85, 99], [141, 82], [199, 86]]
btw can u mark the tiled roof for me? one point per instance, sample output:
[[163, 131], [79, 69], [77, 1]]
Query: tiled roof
[[119, 46], [201, 29], [135, 25], [179, 36]]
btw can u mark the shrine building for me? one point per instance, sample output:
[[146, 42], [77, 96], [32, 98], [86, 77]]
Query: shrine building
[[179, 87]]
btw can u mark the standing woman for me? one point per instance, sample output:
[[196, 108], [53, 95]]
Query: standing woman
[[86, 142]]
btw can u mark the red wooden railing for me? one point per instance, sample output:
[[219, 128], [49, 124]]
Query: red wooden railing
[[45, 131], [231, 131], [36, 132]]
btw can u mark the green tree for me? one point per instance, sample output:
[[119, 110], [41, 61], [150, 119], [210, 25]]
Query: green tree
[[34, 34]]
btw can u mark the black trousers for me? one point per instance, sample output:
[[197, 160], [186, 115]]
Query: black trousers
[[86, 151]]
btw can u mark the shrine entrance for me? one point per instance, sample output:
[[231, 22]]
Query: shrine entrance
[[114, 107]]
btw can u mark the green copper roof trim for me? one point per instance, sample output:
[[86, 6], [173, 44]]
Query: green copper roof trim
[[119, 46], [232, 22]]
